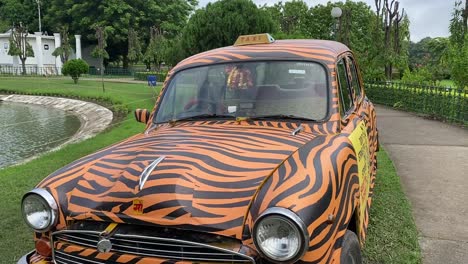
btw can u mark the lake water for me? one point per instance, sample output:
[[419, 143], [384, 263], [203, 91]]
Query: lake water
[[27, 130]]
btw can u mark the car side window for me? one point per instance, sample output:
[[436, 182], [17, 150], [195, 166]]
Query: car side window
[[354, 78], [344, 89]]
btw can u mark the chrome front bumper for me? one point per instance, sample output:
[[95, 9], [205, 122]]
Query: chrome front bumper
[[25, 259]]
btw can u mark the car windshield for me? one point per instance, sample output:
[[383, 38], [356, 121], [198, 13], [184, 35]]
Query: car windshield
[[253, 90]]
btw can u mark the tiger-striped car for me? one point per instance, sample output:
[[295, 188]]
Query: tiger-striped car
[[260, 152]]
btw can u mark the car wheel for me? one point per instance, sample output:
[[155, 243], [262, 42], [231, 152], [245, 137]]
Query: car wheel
[[351, 250]]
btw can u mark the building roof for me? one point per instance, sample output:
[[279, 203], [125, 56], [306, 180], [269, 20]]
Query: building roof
[[300, 49]]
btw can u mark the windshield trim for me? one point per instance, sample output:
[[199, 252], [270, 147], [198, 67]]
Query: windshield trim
[[327, 117]]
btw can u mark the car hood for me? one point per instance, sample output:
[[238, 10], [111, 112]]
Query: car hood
[[205, 182]]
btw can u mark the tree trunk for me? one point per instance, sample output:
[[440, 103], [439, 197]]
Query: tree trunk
[[390, 71], [102, 75], [23, 64], [125, 62]]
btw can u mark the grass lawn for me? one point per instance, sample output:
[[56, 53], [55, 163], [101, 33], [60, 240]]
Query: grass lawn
[[447, 83], [392, 236], [16, 237]]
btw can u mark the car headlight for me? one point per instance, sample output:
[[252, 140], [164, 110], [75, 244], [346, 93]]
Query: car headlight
[[280, 235], [39, 209]]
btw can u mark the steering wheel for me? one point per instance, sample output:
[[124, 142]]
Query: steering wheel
[[193, 103]]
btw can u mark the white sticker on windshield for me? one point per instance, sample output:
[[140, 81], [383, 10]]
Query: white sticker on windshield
[[232, 109], [297, 71]]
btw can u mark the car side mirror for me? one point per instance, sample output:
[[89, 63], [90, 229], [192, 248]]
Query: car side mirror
[[142, 115]]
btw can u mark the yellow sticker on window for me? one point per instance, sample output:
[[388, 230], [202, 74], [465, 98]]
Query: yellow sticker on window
[[360, 142]]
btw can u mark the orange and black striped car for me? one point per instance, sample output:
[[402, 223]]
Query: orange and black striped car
[[260, 152]]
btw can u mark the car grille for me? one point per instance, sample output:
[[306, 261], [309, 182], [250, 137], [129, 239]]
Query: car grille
[[129, 242]]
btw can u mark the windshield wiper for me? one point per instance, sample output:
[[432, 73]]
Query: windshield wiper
[[290, 117], [202, 116]]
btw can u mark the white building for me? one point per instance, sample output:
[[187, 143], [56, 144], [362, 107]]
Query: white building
[[43, 62]]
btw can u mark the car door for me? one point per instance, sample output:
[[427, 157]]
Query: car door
[[354, 125], [364, 109], [363, 106]]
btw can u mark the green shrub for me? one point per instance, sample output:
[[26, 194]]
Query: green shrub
[[459, 65], [417, 76], [143, 76], [75, 68], [450, 104]]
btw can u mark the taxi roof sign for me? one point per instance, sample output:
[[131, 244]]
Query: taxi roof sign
[[264, 38]]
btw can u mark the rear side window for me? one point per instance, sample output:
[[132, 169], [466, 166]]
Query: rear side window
[[356, 86], [344, 91]]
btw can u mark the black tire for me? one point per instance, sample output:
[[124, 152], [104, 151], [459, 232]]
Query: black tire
[[350, 250]]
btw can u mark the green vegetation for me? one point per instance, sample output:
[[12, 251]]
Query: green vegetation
[[19, 46], [440, 102], [420, 75], [143, 76], [16, 240], [429, 55], [65, 50], [116, 18], [379, 44], [156, 32], [220, 23], [74, 68], [442, 58], [457, 49], [392, 235], [447, 83]]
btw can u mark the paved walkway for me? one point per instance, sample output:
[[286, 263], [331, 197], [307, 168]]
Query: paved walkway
[[431, 158]]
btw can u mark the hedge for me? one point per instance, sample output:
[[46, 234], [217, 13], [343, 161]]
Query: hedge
[[445, 103], [143, 76]]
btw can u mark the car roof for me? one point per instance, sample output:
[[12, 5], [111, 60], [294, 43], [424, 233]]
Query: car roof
[[325, 51]]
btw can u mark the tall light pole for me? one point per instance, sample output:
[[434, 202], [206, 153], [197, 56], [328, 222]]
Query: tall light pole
[[39, 11], [336, 13]]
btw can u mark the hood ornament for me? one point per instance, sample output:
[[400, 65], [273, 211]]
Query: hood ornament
[[148, 170], [104, 245]]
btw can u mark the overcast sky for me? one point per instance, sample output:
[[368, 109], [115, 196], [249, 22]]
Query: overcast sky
[[429, 18]]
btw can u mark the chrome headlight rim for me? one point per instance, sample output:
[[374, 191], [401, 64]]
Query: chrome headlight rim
[[290, 216], [49, 201]]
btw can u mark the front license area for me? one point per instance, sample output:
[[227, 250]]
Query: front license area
[[138, 244]]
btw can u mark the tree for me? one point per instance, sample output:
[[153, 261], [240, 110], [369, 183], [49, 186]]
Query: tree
[[100, 50], [458, 45], [15, 11], [419, 75], [119, 16], [65, 49], [172, 51], [459, 65], [432, 54], [291, 18], [134, 47], [220, 23], [19, 45], [356, 28], [155, 50], [393, 22], [75, 68]]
